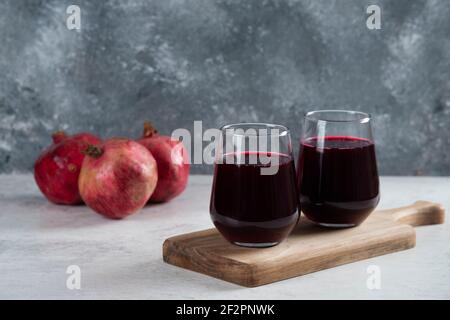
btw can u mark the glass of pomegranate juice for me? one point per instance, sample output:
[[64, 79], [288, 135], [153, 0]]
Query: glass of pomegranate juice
[[337, 169], [254, 194]]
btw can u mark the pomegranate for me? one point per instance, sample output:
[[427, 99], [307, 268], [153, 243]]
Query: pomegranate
[[57, 168], [117, 177], [173, 164]]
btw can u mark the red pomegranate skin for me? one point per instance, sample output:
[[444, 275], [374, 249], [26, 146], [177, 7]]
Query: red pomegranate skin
[[173, 164], [117, 177], [57, 169]]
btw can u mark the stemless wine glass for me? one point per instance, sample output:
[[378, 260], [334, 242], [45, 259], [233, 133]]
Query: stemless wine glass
[[337, 169], [254, 194]]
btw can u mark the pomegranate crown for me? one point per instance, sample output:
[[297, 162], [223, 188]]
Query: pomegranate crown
[[149, 130], [59, 136], [92, 151]]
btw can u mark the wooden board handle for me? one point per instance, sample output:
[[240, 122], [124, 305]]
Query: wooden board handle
[[418, 214]]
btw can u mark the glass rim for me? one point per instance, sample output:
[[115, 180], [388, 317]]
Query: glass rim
[[362, 117], [284, 131]]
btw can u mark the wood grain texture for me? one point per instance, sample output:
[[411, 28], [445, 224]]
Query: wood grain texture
[[309, 248]]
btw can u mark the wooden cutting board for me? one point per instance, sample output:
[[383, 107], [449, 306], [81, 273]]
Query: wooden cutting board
[[309, 248]]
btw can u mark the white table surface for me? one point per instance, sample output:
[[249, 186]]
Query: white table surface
[[123, 259]]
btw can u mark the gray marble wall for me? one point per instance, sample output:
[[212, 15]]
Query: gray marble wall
[[220, 61]]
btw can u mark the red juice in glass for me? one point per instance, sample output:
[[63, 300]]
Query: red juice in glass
[[337, 174], [254, 199], [247, 207]]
